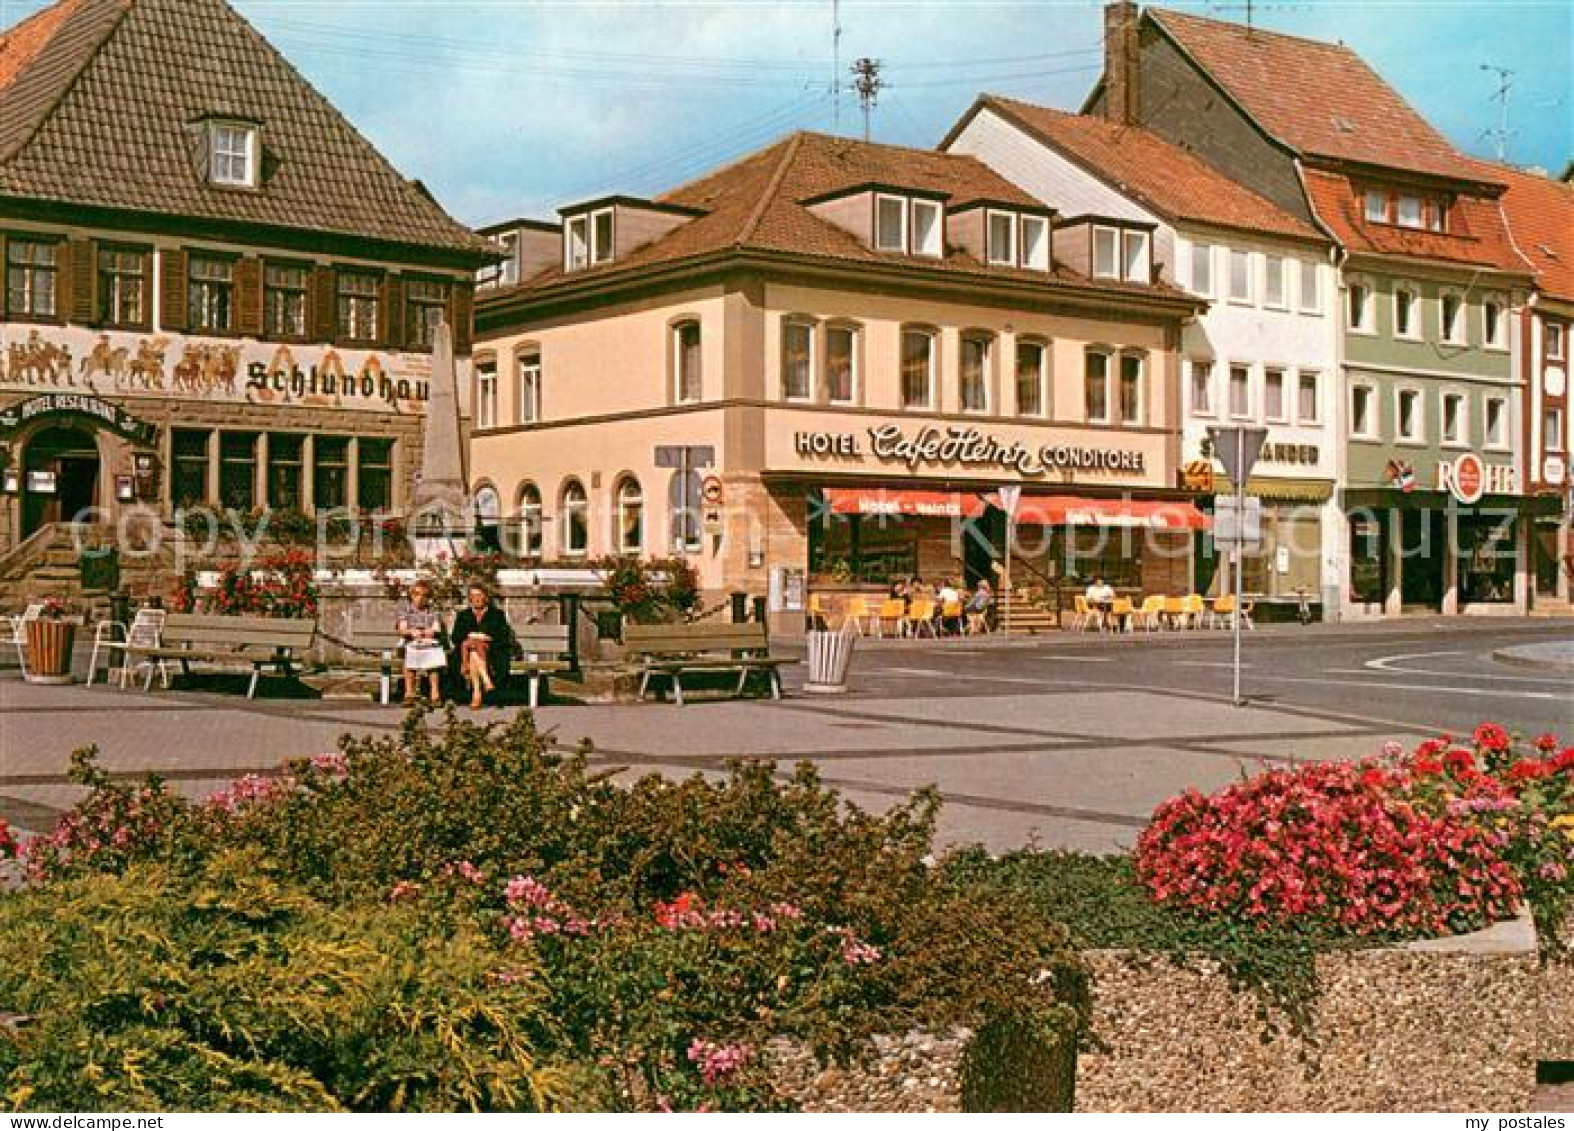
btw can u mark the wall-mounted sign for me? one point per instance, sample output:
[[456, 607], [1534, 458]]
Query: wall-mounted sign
[[111, 416], [40, 482], [1468, 478], [1197, 475], [1553, 470], [711, 490], [125, 488], [960, 446], [1298, 454], [11, 481]]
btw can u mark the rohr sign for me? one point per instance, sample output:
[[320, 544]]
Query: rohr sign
[[1468, 478], [961, 446]]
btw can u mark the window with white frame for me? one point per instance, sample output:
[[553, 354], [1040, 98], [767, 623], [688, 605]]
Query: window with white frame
[[601, 235], [574, 511], [1552, 429], [1131, 366], [1552, 340], [688, 380], [1496, 429], [975, 373], [530, 387], [1453, 418], [928, 235], [1274, 283], [1134, 257], [1377, 206], [531, 540], [1240, 391], [576, 243], [1309, 402], [1240, 275], [1096, 387], [1494, 327], [1275, 405], [630, 516], [1359, 306], [841, 364], [1311, 286], [1407, 416], [1406, 325], [232, 157], [1035, 243], [1202, 269], [797, 360], [32, 272], [1451, 316], [1201, 385], [1363, 411], [486, 394], [1106, 253], [918, 368], [890, 223], [210, 289], [1001, 237], [1411, 212], [1030, 378]]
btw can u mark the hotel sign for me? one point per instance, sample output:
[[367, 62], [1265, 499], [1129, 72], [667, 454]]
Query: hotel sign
[[960, 446], [111, 416]]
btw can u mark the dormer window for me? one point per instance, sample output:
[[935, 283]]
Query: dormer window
[[587, 239], [909, 226], [1120, 253], [1035, 242], [1406, 210], [890, 223], [927, 228], [1002, 237], [232, 150]]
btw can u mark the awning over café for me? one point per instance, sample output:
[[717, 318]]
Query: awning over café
[[900, 502], [1069, 510]]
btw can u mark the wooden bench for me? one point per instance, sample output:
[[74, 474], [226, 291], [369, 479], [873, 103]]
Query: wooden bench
[[377, 650], [543, 648], [260, 642], [674, 649]]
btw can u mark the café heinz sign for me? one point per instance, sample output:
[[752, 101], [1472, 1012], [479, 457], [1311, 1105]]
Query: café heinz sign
[[959, 446]]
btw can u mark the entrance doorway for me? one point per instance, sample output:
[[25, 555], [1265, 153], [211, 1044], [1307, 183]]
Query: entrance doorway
[[1422, 546], [59, 477], [983, 545]]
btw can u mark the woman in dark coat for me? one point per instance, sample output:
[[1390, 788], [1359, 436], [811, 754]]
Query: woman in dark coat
[[482, 642]]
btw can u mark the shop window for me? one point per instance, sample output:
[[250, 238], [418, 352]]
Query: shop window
[[1363, 406], [330, 472], [1095, 380], [1308, 409], [1486, 559], [425, 305], [1408, 415], [284, 300], [1131, 366], [1031, 378], [189, 466], [918, 369], [530, 387], [359, 306], [841, 361], [1240, 276], [31, 272], [1275, 406], [1002, 238], [1552, 429], [575, 511], [631, 517], [1202, 269], [210, 293], [1275, 286], [486, 394], [1201, 385], [285, 465], [1496, 423], [1368, 560], [1493, 324], [531, 541], [1405, 324], [688, 380], [122, 287], [975, 374], [1453, 423], [238, 470], [1240, 392], [374, 474], [797, 360], [1451, 314], [1311, 287]]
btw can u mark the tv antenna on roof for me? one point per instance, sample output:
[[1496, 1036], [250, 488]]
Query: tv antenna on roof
[[1500, 133], [868, 83], [836, 64]]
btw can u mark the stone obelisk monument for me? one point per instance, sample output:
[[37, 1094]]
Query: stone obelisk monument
[[439, 510]]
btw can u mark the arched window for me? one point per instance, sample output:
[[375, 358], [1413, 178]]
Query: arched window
[[688, 385], [488, 516], [919, 363], [974, 371], [575, 511], [1032, 370], [530, 520], [630, 517]]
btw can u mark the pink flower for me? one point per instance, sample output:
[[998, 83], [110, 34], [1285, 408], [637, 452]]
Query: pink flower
[[718, 1062], [404, 889]]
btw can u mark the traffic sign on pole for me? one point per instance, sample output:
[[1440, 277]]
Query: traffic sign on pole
[[1237, 449]]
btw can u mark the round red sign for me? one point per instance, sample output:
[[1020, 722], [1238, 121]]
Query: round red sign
[[1469, 478]]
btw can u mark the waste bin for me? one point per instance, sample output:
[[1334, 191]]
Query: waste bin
[[830, 654]]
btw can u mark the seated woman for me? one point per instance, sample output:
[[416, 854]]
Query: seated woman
[[979, 606], [422, 630], [482, 641]]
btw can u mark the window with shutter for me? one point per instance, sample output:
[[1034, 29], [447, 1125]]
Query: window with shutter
[[393, 327], [325, 304], [463, 318], [248, 297], [172, 299], [82, 276]]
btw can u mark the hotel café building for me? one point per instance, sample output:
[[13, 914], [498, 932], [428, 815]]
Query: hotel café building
[[813, 371]]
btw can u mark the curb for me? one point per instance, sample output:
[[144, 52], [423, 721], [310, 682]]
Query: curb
[[1523, 656]]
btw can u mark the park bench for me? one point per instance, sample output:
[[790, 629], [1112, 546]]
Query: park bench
[[674, 650], [258, 642], [376, 650], [542, 649]]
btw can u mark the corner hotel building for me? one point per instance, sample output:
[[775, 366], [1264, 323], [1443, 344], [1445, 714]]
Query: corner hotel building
[[803, 369]]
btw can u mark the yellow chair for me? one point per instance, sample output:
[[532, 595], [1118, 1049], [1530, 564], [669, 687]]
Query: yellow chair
[[1121, 613], [817, 619], [920, 616], [1174, 611], [855, 610], [1082, 617], [1223, 611], [892, 609], [1150, 612], [951, 613], [1196, 611]]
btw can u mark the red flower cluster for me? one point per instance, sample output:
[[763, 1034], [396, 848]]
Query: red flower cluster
[[7, 841]]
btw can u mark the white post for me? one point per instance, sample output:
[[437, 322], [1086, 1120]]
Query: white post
[[1240, 554], [1005, 581]]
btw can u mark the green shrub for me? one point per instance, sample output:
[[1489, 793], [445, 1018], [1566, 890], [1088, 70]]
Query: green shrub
[[226, 989]]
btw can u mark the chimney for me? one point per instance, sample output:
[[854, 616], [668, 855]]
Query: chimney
[[1120, 62]]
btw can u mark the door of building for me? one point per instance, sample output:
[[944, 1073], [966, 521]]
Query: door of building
[[983, 545], [60, 470], [1423, 542]]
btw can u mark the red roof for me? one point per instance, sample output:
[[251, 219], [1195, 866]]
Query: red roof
[[18, 45], [1541, 221], [1150, 170], [1477, 234], [1317, 98]]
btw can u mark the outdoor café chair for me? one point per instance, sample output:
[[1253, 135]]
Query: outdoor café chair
[[920, 616], [146, 631], [1223, 611], [1196, 611], [893, 610], [855, 611], [952, 614], [1175, 613], [18, 631], [1121, 615], [1150, 613], [817, 619]]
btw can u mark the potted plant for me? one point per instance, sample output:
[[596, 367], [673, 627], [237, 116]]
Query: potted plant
[[50, 639]]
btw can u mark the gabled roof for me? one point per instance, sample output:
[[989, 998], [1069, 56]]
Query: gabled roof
[[1477, 234], [1319, 99], [759, 203], [1150, 170], [1541, 220], [102, 104]]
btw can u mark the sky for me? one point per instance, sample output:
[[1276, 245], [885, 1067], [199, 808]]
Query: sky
[[509, 108]]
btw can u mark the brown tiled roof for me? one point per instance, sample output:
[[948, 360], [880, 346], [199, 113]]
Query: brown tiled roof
[[1541, 221], [1317, 98], [1151, 170], [104, 104], [1477, 235], [757, 204]]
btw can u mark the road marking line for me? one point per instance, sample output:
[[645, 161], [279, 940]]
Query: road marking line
[[1382, 663], [1449, 689], [1082, 659]]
